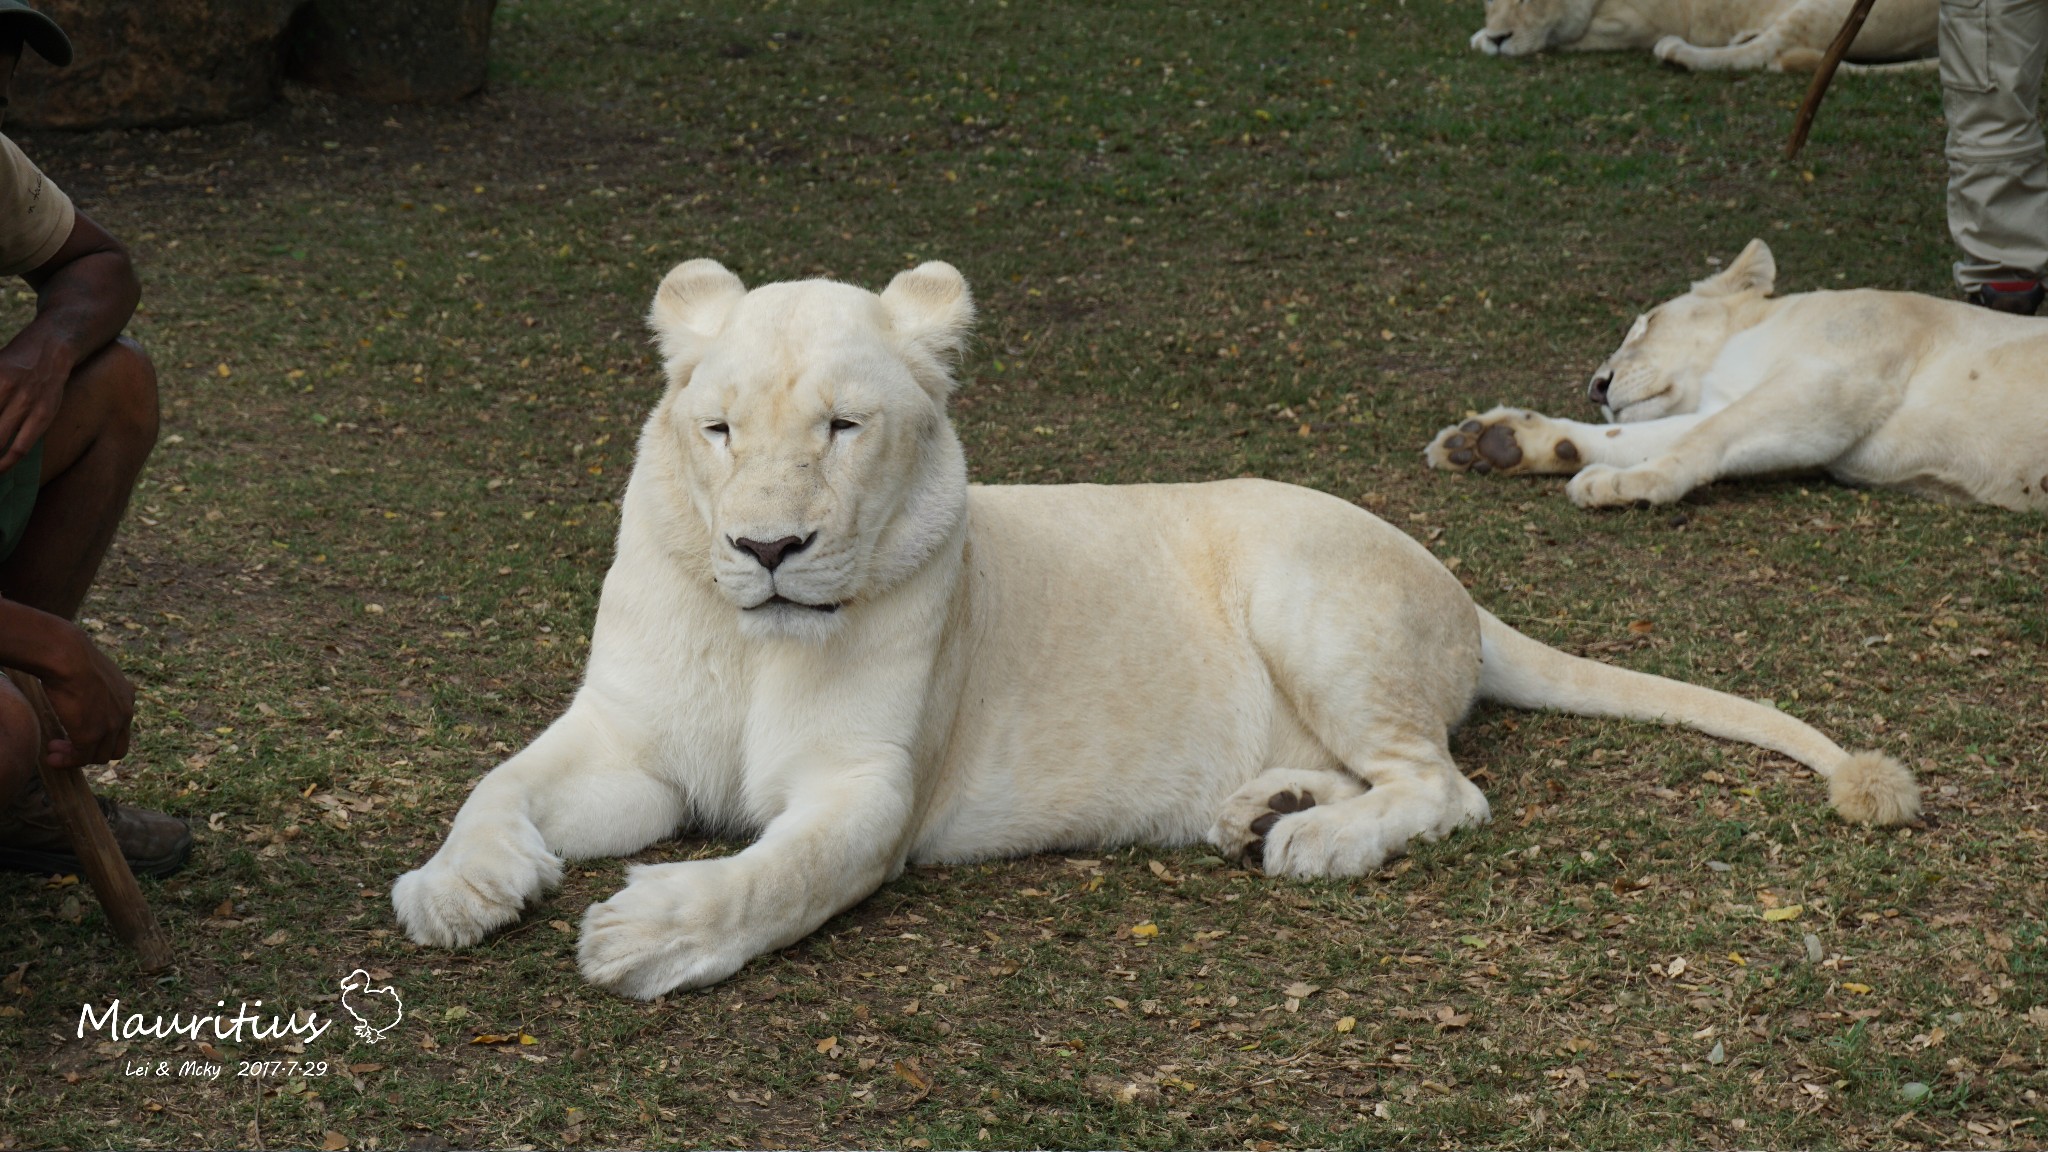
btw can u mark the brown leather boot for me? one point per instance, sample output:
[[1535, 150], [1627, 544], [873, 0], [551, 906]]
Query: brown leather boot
[[33, 839]]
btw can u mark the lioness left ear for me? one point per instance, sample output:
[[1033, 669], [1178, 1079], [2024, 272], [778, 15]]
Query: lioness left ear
[[931, 310], [1756, 270], [691, 306]]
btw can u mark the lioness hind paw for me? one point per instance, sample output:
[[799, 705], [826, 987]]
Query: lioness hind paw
[[1280, 804]]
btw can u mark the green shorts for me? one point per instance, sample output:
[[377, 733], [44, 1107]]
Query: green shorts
[[18, 486]]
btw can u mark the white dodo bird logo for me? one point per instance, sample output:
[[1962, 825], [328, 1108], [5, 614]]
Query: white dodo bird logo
[[376, 1007]]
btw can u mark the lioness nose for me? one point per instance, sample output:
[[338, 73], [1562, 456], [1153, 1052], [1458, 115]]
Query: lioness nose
[[1500, 39], [1596, 391], [772, 552]]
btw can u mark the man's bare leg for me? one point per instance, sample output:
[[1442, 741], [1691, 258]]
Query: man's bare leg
[[20, 743], [92, 455]]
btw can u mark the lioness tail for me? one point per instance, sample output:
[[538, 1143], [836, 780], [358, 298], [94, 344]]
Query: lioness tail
[[1866, 787]]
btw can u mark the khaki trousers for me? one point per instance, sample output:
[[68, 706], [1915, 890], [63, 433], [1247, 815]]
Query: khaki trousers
[[1992, 53]]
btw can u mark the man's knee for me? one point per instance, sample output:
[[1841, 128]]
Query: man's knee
[[132, 382], [20, 743]]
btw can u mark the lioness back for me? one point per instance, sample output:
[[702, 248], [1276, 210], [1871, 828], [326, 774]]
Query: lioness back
[[1117, 650]]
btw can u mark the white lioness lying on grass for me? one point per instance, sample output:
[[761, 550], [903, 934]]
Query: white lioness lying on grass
[[1713, 35], [817, 634], [1879, 388]]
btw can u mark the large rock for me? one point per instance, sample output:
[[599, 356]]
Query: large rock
[[154, 62], [393, 51]]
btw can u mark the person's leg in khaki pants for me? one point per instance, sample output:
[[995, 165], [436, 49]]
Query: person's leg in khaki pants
[[1992, 53]]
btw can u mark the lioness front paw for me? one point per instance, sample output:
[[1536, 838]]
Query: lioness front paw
[[1505, 440], [665, 930], [477, 883], [1605, 486]]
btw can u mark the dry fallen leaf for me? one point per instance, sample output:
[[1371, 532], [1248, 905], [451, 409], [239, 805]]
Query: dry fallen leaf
[[912, 1073], [1347, 1023], [1447, 1017], [335, 1141], [828, 1044], [1788, 912], [1299, 990]]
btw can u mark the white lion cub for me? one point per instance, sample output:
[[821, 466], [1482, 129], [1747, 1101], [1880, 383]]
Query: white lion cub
[[1889, 389], [818, 635]]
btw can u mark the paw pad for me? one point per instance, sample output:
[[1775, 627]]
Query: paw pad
[[1279, 804], [1483, 448]]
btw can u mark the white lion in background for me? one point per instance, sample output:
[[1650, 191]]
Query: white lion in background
[[818, 635], [1889, 389], [1713, 35]]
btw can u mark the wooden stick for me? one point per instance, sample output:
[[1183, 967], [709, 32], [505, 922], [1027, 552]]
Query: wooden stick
[[1824, 75], [93, 841]]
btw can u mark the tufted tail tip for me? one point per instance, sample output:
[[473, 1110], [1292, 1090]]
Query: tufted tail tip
[[1872, 788]]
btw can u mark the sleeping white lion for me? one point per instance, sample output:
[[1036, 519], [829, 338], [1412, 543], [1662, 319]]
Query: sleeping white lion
[[1890, 389], [818, 635], [1715, 35]]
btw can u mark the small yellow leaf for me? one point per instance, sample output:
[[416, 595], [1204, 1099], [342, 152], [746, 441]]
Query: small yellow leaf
[[1736, 958], [1347, 1023], [913, 1074], [1788, 912], [1148, 928], [1858, 989], [527, 1039]]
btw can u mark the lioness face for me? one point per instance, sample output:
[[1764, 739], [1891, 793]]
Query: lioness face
[[811, 432], [1662, 361], [1657, 370], [1524, 27]]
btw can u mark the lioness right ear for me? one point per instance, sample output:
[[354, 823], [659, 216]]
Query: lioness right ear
[[931, 310], [1753, 271], [691, 306]]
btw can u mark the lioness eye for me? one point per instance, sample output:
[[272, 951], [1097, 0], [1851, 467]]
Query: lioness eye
[[843, 425], [717, 431]]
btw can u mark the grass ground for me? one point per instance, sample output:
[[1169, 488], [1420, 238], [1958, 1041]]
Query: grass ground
[[403, 366]]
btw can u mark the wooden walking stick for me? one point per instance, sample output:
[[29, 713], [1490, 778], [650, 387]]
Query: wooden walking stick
[[93, 841], [1824, 75]]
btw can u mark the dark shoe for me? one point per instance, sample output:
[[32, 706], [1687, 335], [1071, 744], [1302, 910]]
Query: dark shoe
[[2019, 297], [33, 839]]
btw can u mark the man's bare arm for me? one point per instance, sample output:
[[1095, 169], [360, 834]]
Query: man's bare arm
[[86, 294], [96, 702]]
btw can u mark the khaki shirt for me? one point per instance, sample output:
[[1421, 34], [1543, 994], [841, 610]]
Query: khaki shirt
[[35, 215]]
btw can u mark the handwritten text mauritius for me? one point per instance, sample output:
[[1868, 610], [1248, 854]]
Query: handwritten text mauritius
[[119, 1026]]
